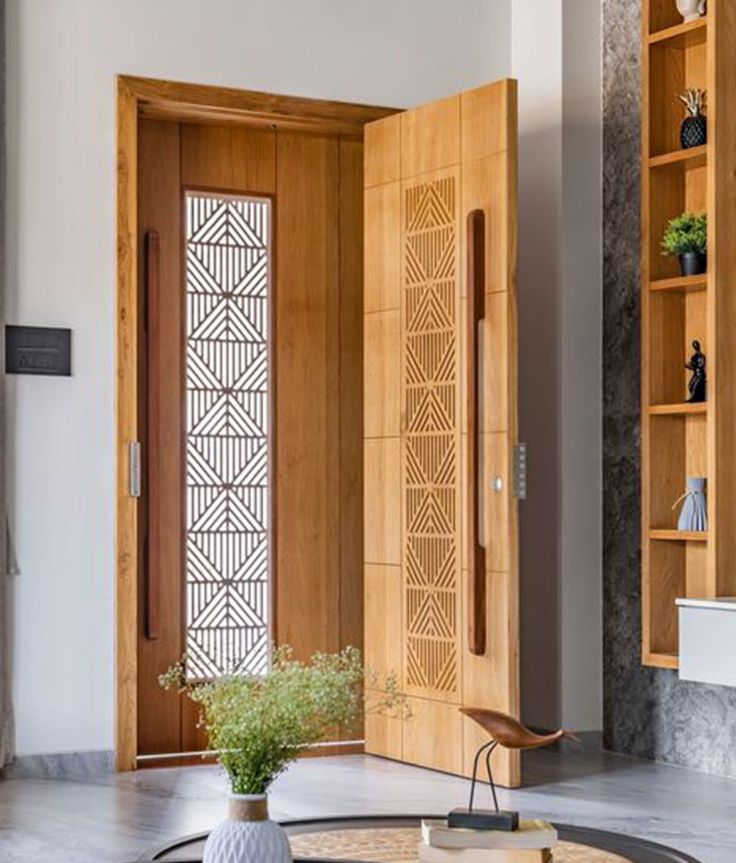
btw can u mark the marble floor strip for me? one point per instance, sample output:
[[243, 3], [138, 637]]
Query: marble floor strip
[[116, 818]]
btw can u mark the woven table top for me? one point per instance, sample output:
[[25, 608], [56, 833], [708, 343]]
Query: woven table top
[[399, 845]]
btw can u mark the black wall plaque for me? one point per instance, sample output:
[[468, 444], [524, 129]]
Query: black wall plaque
[[38, 351]]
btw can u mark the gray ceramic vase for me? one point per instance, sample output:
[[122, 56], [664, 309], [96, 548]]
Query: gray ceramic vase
[[694, 512]]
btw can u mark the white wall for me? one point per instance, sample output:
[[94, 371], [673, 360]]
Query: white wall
[[62, 56], [581, 370], [556, 54]]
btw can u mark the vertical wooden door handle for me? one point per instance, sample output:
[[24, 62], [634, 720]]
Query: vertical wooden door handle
[[476, 232], [152, 561]]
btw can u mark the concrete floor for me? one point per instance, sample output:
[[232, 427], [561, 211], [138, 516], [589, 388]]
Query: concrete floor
[[118, 817]]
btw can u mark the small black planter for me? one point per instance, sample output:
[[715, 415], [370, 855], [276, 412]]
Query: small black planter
[[693, 263], [694, 132]]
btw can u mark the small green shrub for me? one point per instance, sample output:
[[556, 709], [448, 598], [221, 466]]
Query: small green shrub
[[686, 233], [259, 725]]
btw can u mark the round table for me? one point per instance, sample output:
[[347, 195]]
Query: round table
[[394, 839]]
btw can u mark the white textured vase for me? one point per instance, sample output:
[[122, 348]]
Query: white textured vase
[[248, 835], [691, 9]]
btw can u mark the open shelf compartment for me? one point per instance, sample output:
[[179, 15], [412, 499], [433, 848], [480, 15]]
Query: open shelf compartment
[[675, 65], [663, 16], [675, 320]]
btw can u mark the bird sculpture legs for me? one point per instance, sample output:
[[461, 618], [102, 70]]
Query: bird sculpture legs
[[489, 747], [483, 819]]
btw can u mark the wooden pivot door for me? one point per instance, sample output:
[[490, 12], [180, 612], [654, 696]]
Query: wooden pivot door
[[251, 250], [440, 424]]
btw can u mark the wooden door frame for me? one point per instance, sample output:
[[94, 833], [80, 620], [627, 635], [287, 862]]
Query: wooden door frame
[[179, 102]]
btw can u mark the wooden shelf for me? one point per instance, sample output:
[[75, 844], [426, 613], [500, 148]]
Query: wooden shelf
[[681, 440], [681, 35], [661, 660], [695, 157], [679, 535], [681, 284], [681, 409]]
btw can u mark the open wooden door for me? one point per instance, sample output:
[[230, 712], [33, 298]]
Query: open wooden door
[[440, 423]]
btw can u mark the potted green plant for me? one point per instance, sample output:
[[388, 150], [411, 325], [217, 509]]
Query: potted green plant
[[687, 237], [258, 725]]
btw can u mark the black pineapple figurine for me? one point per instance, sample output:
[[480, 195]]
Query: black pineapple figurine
[[697, 382]]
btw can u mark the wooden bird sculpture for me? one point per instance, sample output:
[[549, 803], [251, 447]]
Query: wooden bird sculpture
[[509, 733]]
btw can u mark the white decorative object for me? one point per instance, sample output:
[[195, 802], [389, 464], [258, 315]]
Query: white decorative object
[[248, 835], [691, 9], [708, 640]]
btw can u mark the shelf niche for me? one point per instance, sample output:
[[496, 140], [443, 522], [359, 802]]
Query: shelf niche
[[677, 569], [675, 189], [674, 66], [663, 14], [677, 450], [675, 320]]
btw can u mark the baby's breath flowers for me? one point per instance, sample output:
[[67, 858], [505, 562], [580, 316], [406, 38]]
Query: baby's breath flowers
[[259, 725]]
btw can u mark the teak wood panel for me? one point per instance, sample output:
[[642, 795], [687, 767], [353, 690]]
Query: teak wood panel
[[238, 110], [228, 157], [307, 381], [159, 209], [350, 418], [317, 296], [425, 169]]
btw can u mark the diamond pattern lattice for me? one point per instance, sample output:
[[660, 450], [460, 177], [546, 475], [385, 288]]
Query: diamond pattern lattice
[[227, 575], [430, 450]]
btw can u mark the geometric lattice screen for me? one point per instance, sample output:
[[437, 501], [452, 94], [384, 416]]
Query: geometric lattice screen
[[431, 442], [227, 448]]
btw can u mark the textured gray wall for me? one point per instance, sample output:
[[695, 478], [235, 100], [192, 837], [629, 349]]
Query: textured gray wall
[[647, 712]]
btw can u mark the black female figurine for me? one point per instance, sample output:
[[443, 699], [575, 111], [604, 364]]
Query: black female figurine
[[697, 382]]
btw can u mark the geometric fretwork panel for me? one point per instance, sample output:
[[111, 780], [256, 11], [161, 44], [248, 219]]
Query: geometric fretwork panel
[[430, 463], [227, 453]]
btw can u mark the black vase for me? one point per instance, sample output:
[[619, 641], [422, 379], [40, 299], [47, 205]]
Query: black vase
[[694, 132], [693, 263]]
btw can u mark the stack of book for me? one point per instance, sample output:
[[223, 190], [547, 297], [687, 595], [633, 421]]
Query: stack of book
[[531, 843]]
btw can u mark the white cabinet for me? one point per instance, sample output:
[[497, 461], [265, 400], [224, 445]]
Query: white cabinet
[[708, 640]]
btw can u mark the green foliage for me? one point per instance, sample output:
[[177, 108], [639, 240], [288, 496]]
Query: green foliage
[[686, 233], [259, 725]]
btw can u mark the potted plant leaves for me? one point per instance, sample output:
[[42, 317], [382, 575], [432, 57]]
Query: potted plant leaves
[[687, 237], [259, 724], [694, 129]]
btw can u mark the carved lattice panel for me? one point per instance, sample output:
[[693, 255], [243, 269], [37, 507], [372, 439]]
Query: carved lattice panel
[[430, 481], [227, 447]]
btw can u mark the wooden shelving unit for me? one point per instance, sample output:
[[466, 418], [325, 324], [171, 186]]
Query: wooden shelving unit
[[681, 439]]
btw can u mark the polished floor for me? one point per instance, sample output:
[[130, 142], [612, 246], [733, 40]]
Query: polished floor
[[118, 817]]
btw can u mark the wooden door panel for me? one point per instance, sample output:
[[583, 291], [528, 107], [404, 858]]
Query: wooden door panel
[[430, 402], [350, 413], [307, 380], [382, 501], [453, 157], [316, 182], [382, 351], [385, 732], [430, 137], [433, 736], [158, 209], [229, 158], [383, 598], [382, 155], [382, 262]]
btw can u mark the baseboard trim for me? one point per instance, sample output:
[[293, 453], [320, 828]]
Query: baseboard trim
[[91, 764]]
